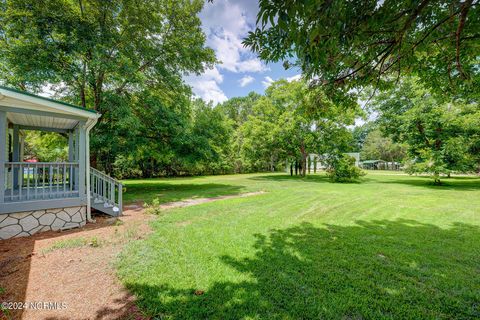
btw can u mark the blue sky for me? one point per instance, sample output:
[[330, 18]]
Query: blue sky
[[226, 23]]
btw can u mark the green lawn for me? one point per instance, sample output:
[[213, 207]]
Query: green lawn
[[393, 246]]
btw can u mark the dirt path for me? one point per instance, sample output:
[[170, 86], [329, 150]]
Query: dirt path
[[195, 201], [73, 268], [70, 274]]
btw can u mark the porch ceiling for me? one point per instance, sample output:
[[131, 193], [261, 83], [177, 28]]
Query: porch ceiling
[[25, 109], [31, 120]]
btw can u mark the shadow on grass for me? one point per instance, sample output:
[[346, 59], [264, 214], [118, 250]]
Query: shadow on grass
[[169, 192], [453, 183], [382, 269], [287, 177]]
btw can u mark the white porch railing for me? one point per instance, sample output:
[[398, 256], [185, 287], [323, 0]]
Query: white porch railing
[[28, 181], [106, 192], [27, 184]]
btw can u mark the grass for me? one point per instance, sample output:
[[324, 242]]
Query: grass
[[168, 190], [391, 247], [71, 243]]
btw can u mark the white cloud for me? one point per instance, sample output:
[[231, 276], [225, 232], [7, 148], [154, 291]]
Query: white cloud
[[206, 86], [294, 78], [267, 82], [226, 23], [246, 80]]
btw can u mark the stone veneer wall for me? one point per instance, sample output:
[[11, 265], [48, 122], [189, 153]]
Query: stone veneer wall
[[22, 224]]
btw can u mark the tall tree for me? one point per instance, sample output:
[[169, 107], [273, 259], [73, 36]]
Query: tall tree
[[102, 54], [237, 110], [440, 137], [379, 146], [293, 120]]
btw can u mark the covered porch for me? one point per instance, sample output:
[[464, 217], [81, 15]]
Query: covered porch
[[49, 195], [41, 185]]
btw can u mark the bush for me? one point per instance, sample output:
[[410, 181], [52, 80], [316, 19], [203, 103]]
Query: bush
[[342, 169], [153, 208]]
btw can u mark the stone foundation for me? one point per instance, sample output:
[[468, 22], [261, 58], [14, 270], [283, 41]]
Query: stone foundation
[[23, 224]]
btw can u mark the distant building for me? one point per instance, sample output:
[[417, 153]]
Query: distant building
[[380, 165], [322, 165]]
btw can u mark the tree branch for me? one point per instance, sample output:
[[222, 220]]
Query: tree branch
[[461, 24]]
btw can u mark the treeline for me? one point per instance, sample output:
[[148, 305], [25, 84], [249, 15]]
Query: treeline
[[127, 61], [254, 133]]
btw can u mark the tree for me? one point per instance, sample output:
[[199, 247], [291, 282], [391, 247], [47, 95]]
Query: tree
[[237, 110], [261, 146], [352, 44], [378, 146], [211, 140], [293, 120], [359, 134], [103, 55], [440, 137], [46, 146]]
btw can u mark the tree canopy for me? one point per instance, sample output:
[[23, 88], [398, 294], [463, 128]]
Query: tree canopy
[[292, 121], [124, 59], [379, 146], [440, 137], [351, 44]]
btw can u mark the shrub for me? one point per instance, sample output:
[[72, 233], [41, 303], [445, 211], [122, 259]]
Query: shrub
[[153, 208], [342, 168]]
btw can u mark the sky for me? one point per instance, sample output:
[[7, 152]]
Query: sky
[[225, 24]]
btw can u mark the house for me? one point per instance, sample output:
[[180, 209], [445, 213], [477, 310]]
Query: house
[[40, 196]]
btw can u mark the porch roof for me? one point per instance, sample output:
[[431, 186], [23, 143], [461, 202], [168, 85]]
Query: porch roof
[[35, 112]]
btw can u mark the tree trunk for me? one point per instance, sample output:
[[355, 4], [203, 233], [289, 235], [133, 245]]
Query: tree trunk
[[304, 159]]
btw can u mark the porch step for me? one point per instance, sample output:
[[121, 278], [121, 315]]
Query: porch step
[[105, 207], [106, 193]]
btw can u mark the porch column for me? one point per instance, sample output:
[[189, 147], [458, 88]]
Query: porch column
[[22, 148], [71, 150], [3, 153], [81, 161], [15, 155], [71, 158], [76, 150]]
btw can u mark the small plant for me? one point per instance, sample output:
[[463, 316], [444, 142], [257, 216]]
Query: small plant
[[4, 313], [66, 244], [153, 208], [73, 243], [94, 242]]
